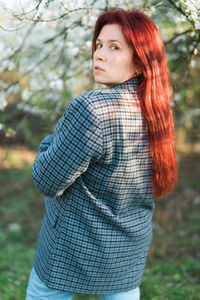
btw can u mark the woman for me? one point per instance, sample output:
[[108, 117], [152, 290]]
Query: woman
[[111, 154]]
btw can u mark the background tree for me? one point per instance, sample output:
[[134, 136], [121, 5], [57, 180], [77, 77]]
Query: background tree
[[46, 57]]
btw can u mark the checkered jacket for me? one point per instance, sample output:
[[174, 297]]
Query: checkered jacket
[[95, 171]]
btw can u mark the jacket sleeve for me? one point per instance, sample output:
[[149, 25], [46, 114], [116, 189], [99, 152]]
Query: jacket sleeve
[[45, 143], [66, 154]]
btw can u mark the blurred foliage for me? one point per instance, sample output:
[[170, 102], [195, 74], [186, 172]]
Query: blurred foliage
[[186, 107], [50, 63]]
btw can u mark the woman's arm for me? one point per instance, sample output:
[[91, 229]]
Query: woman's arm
[[66, 155]]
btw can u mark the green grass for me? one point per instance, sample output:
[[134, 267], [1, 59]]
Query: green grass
[[171, 280], [173, 267]]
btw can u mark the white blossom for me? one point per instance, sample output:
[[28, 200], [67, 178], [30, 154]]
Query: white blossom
[[192, 8], [14, 227], [26, 94], [193, 63], [3, 101], [13, 89], [176, 97], [3, 84], [30, 109], [45, 64], [57, 84]]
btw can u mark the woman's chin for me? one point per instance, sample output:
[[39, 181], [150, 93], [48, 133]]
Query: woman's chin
[[101, 81]]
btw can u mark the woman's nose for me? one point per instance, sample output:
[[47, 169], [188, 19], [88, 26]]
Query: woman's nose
[[99, 55]]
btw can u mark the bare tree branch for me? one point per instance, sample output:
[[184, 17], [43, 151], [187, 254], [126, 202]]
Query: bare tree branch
[[11, 30], [40, 20], [21, 46], [188, 56], [25, 74], [36, 8], [177, 35]]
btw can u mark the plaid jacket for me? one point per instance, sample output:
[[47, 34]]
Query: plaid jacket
[[95, 171]]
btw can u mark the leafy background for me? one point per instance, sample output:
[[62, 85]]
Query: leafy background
[[45, 63]]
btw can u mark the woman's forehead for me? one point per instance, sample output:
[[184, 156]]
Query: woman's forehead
[[112, 32]]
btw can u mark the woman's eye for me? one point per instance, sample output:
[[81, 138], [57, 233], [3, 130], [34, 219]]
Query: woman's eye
[[114, 47], [98, 46]]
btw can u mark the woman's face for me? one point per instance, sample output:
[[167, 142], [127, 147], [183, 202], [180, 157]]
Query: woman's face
[[113, 58]]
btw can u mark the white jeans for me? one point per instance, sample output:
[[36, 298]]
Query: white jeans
[[37, 290]]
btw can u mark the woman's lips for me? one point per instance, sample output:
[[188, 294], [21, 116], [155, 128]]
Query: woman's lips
[[98, 69]]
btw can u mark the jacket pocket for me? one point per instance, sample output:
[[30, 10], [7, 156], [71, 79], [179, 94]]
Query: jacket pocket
[[51, 211]]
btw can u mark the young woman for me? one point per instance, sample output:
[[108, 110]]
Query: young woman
[[111, 154]]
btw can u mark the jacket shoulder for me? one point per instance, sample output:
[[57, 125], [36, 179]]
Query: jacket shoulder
[[90, 98], [97, 94]]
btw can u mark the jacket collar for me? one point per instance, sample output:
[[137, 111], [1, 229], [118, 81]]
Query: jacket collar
[[130, 84]]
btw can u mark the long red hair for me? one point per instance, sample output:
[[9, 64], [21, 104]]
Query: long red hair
[[150, 57]]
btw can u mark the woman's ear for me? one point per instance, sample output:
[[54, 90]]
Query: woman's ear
[[138, 71]]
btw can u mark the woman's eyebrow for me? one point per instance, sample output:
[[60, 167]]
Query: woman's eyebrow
[[110, 41]]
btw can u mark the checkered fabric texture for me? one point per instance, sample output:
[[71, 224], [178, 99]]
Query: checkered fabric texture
[[95, 171]]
